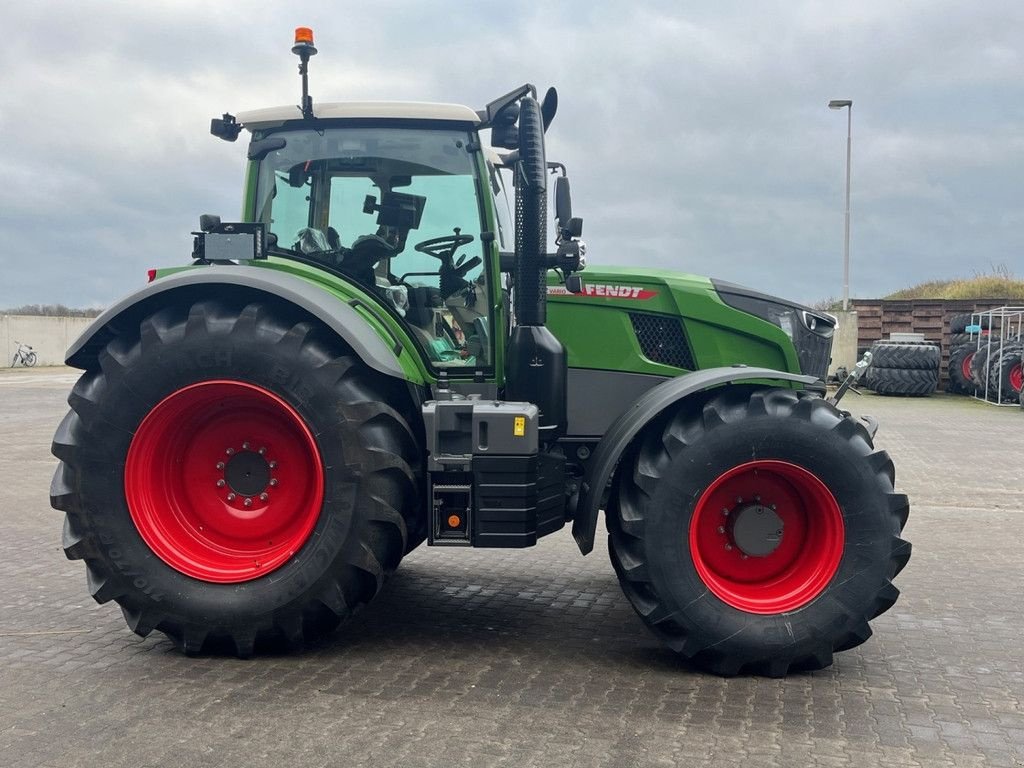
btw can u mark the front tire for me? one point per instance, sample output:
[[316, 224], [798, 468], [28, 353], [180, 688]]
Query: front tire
[[758, 533], [234, 478]]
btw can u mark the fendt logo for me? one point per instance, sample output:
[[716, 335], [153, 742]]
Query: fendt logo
[[608, 291]]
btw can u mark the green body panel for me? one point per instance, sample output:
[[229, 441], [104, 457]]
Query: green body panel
[[597, 332]]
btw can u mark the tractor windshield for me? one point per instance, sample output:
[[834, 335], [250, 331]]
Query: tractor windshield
[[396, 210]]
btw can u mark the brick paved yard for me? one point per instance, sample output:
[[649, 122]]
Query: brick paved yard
[[477, 657]]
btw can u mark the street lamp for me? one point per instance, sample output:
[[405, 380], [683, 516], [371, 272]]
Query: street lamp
[[839, 104]]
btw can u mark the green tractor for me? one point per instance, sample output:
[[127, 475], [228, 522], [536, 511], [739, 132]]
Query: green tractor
[[385, 350]]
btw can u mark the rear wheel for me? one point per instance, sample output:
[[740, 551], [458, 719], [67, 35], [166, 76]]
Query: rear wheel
[[986, 353], [1006, 375], [234, 478], [960, 379], [758, 533]]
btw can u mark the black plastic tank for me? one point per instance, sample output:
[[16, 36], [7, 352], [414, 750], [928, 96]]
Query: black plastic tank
[[538, 373]]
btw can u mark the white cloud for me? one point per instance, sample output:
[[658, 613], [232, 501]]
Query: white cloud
[[696, 134]]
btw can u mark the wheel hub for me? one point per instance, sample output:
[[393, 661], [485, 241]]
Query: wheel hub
[[757, 530], [247, 473]]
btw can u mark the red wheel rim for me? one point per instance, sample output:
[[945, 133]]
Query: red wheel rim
[[802, 561], [965, 366], [224, 481], [1017, 378]]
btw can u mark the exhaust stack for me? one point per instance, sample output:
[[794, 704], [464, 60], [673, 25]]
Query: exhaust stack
[[537, 366]]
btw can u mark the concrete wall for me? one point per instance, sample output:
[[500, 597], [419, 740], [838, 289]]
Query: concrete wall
[[844, 343], [48, 336]]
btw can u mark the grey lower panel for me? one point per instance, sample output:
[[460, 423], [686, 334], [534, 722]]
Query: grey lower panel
[[597, 398]]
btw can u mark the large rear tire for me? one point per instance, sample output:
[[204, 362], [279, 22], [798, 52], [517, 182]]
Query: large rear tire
[[1006, 373], [908, 356], [758, 533], [234, 478], [910, 382], [960, 379], [986, 354]]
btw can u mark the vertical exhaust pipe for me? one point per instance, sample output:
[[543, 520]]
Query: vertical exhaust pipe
[[537, 368]]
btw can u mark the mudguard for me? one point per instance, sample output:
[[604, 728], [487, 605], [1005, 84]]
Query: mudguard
[[337, 314], [621, 433]]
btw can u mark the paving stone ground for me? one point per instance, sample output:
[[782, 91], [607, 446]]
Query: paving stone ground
[[531, 658]]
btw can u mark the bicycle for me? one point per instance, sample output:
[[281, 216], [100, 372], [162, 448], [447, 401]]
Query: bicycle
[[24, 355]]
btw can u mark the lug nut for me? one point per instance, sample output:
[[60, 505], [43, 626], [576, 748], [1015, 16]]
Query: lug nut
[[220, 465], [221, 483], [245, 446], [772, 506], [273, 464], [231, 497], [261, 451], [247, 502], [230, 451], [264, 496], [728, 547], [739, 499], [273, 482], [721, 529]]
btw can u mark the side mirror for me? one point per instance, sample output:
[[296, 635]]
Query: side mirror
[[563, 201], [574, 284], [504, 131]]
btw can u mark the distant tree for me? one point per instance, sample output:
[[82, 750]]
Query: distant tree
[[51, 310]]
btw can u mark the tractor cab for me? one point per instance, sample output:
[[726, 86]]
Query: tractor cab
[[393, 206], [404, 203]]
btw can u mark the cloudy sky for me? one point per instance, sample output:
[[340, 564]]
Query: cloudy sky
[[697, 134]]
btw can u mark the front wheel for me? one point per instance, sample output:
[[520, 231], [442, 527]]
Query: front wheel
[[758, 531], [30, 359], [235, 478]]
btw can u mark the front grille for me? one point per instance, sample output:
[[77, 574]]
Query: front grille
[[662, 340], [813, 351]]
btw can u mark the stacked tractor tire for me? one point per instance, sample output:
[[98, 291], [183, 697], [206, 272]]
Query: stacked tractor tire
[[986, 363], [908, 368]]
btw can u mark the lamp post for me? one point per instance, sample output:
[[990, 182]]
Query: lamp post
[[839, 104]]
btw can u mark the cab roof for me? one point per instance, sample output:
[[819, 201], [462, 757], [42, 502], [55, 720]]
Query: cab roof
[[272, 117]]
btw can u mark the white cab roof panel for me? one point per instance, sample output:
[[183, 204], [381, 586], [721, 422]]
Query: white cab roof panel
[[388, 110]]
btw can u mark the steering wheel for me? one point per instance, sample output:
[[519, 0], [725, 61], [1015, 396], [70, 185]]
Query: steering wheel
[[444, 248]]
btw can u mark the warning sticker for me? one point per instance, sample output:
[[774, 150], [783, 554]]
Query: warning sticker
[[632, 292], [519, 426]]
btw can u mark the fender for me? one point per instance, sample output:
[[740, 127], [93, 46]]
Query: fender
[[337, 314], [626, 427]]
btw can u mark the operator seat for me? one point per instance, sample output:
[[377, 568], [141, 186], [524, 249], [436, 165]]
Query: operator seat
[[422, 316]]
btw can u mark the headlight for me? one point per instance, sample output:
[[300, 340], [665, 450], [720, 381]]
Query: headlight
[[791, 318]]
